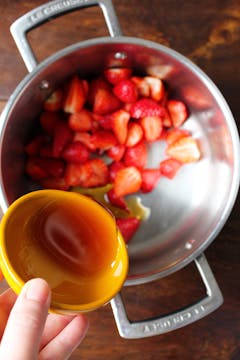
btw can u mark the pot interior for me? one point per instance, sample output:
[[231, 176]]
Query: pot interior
[[187, 212]]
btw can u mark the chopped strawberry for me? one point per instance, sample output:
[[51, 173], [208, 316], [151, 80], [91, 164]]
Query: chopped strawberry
[[44, 167], [175, 134], [116, 201], [92, 173], [152, 127], [156, 87], [142, 86], [178, 112], [134, 135], [57, 183], [105, 102], [46, 150], [169, 167], [48, 121], [119, 120], [150, 178], [185, 150], [116, 152], [128, 227], [75, 152], [54, 101], [85, 138], [146, 107], [34, 146], [126, 91], [62, 135], [76, 95], [103, 139], [113, 168], [166, 118], [127, 181], [136, 155], [115, 75], [80, 121]]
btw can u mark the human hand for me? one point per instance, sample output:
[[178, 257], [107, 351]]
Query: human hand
[[27, 332]]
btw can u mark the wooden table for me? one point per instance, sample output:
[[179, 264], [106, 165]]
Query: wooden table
[[208, 32]]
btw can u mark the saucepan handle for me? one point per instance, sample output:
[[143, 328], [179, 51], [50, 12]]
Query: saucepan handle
[[51, 10], [176, 320]]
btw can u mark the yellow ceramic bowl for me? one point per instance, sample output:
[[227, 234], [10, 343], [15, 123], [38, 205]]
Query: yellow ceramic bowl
[[67, 239]]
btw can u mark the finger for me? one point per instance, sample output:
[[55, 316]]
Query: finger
[[54, 325], [25, 325], [7, 300], [62, 346]]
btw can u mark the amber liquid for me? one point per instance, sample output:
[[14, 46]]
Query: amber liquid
[[71, 245]]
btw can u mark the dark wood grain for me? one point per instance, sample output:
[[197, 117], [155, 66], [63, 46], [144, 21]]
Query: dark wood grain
[[208, 32]]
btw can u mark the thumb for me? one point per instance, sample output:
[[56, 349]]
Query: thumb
[[26, 322]]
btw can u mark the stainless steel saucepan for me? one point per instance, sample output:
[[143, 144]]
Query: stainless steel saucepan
[[187, 213]]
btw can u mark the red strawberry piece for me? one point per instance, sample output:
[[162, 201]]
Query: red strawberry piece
[[75, 152], [113, 168], [128, 227], [150, 178], [95, 85], [54, 101], [126, 91], [185, 150], [134, 135], [103, 139], [127, 181], [46, 150], [169, 167], [54, 183], [142, 86], [178, 112], [146, 107], [62, 135], [39, 167], [166, 118], [105, 102], [48, 121], [80, 121], [115, 75], [34, 146], [156, 87], [34, 170], [85, 138], [116, 201], [152, 127], [116, 152], [119, 120], [76, 95], [175, 134], [92, 173], [136, 155]]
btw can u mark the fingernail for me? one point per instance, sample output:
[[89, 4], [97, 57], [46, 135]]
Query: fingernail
[[37, 290]]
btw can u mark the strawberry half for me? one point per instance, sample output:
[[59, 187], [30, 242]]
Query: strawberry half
[[156, 87], [178, 112], [115, 75], [54, 101], [128, 227], [176, 134], [76, 95], [136, 155], [127, 181], [119, 123], [185, 150], [62, 135], [116, 152], [169, 167], [80, 121], [134, 135], [75, 152], [152, 127], [103, 139], [146, 107], [150, 178], [126, 91]]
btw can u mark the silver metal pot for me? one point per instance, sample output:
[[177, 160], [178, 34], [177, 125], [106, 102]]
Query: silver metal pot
[[187, 213]]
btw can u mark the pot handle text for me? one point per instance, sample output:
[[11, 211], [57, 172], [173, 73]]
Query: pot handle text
[[176, 320], [51, 10]]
